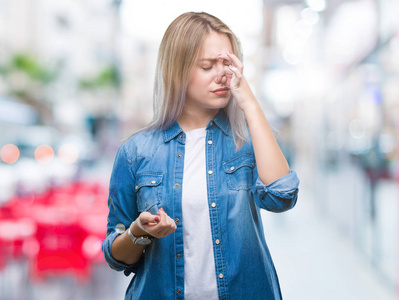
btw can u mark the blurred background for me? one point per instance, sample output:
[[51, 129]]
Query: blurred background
[[76, 78]]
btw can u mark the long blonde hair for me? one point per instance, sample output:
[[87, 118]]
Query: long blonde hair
[[178, 51]]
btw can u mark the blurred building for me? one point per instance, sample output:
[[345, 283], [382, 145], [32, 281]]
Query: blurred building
[[59, 83], [77, 41], [331, 71]]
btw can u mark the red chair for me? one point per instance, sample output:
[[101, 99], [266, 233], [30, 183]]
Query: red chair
[[14, 233], [60, 252]]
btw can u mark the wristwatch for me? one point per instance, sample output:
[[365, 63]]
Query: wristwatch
[[140, 240]]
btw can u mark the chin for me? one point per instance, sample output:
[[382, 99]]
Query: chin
[[223, 102], [217, 107]]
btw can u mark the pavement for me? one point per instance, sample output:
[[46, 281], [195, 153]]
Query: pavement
[[315, 260]]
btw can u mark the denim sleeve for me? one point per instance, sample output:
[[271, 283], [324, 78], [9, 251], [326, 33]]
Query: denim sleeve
[[122, 207], [278, 196], [113, 263]]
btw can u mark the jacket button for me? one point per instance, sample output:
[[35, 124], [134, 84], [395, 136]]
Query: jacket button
[[221, 275], [177, 185], [217, 241], [178, 155], [120, 228], [178, 291], [210, 172], [178, 256], [232, 168], [213, 204], [210, 142], [177, 220]]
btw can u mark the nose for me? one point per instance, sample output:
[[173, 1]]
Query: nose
[[221, 74]]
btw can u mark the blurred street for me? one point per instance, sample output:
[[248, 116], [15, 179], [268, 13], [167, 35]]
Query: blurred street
[[315, 259]]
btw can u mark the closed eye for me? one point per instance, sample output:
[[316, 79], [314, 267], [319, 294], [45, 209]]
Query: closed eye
[[225, 63]]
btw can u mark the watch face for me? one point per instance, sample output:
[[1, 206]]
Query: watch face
[[143, 241]]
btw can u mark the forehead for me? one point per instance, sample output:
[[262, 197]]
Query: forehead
[[213, 45]]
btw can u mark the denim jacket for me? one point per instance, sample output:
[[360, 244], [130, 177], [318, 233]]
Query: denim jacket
[[148, 175]]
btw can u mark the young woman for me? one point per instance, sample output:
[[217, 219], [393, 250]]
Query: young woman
[[189, 187]]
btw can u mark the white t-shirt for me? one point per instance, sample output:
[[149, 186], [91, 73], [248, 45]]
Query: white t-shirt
[[199, 264]]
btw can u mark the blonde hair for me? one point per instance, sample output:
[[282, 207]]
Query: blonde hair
[[178, 51]]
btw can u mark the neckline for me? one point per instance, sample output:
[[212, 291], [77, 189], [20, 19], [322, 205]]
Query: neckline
[[196, 133]]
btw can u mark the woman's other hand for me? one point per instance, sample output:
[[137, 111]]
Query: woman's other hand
[[158, 226]]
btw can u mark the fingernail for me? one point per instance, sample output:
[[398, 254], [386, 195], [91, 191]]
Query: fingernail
[[156, 219], [161, 208]]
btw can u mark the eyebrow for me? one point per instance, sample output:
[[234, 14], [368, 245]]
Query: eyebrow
[[211, 59], [208, 59]]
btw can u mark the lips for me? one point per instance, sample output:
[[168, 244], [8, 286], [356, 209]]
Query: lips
[[221, 91]]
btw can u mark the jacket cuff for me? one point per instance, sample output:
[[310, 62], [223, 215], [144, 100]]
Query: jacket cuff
[[113, 263], [284, 187]]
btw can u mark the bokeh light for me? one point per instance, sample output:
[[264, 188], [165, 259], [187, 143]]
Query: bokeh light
[[44, 154], [9, 153], [317, 5], [310, 15], [91, 246], [68, 153]]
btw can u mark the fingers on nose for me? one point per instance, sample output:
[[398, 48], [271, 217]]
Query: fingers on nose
[[221, 78]]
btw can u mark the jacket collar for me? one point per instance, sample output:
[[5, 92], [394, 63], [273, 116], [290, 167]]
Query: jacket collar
[[171, 132], [221, 121]]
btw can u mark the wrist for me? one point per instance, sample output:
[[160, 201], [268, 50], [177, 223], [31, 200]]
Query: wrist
[[139, 240], [246, 101], [250, 108]]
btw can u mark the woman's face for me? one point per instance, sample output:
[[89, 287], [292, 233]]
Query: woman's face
[[206, 92]]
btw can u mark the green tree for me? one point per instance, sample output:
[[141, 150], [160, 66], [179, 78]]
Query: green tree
[[108, 77], [26, 78]]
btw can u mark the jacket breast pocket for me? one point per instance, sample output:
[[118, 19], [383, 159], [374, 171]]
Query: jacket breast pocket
[[239, 172], [148, 189]]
